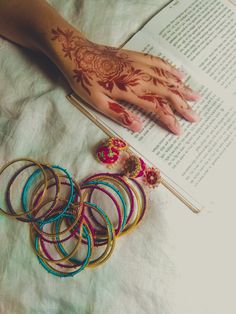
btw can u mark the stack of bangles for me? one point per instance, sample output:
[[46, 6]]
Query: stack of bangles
[[72, 225]]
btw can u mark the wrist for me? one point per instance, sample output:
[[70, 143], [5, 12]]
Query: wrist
[[58, 44]]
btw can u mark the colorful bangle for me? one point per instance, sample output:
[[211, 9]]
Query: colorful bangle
[[93, 183], [34, 234], [74, 206], [36, 206], [109, 246], [141, 208], [73, 228], [62, 213], [111, 237], [120, 182], [70, 200], [93, 187], [21, 214], [122, 185], [56, 272]]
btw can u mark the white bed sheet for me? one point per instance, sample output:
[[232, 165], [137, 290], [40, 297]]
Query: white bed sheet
[[175, 263]]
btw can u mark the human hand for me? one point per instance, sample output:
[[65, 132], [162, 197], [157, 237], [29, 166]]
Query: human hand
[[103, 76]]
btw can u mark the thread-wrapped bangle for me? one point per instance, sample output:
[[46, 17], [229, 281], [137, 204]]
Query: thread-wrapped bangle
[[41, 167], [76, 206], [59, 273], [93, 187], [62, 212], [109, 245], [118, 181], [70, 198], [34, 234], [111, 237], [30, 215]]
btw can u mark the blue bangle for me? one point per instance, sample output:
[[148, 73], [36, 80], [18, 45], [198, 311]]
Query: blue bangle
[[26, 190], [83, 264], [118, 193], [111, 231]]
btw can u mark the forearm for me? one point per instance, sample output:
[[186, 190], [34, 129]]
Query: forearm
[[29, 24]]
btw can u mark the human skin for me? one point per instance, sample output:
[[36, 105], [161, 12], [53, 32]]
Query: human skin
[[101, 75]]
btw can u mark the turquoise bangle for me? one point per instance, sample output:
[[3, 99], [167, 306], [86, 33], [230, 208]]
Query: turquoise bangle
[[118, 193], [83, 265], [26, 190], [59, 244]]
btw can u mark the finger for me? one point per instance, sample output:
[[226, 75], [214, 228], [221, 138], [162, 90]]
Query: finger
[[172, 82], [188, 93], [157, 105], [158, 76], [154, 61], [113, 110], [166, 66], [183, 91], [166, 74], [165, 84], [182, 107]]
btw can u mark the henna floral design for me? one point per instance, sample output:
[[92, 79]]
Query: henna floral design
[[112, 69], [160, 105], [167, 75], [175, 90], [106, 64], [153, 79], [159, 71], [158, 101], [124, 115]]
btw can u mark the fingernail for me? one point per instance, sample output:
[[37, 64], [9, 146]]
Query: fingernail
[[192, 116], [136, 126], [175, 128], [195, 95], [180, 73]]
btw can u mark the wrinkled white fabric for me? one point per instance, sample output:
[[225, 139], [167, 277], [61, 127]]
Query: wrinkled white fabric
[[174, 263]]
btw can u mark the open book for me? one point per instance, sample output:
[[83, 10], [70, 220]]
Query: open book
[[200, 38]]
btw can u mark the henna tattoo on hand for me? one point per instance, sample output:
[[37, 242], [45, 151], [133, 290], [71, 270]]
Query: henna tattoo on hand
[[159, 102], [111, 68], [124, 116], [161, 105], [94, 63]]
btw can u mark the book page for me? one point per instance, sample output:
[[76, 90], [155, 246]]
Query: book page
[[202, 34], [199, 37]]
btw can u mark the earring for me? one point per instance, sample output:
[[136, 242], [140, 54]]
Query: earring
[[133, 167], [152, 177], [108, 152]]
